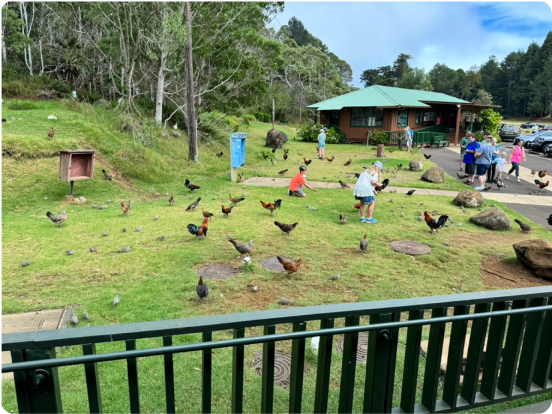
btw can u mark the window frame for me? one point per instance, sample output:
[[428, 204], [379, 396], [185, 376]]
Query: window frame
[[399, 115], [420, 114], [368, 110]]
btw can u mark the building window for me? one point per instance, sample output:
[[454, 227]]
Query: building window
[[402, 120], [419, 117], [366, 117]]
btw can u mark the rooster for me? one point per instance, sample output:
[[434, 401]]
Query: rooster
[[427, 157], [108, 176], [550, 219], [357, 205], [190, 186], [201, 230], [285, 155], [278, 203], [194, 205], [202, 289], [290, 266], [220, 154], [286, 228], [265, 156], [125, 209], [343, 219], [542, 174], [235, 200], [542, 184], [243, 248], [270, 206], [383, 184], [58, 219], [171, 201], [435, 225], [348, 162], [226, 210], [51, 133], [330, 159], [306, 162], [207, 214]]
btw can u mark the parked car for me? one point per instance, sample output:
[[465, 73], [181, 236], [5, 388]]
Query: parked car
[[509, 132], [547, 128], [548, 150], [540, 142], [527, 139], [530, 125]]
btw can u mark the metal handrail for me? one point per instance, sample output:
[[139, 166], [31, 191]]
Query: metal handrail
[[113, 356]]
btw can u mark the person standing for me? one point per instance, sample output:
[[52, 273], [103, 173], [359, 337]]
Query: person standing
[[535, 129], [515, 159], [365, 193], [492, 171], [469, 160], [501, 162], [483, 159], [321, 144], [463, 144], [408, 135], [298, 182]]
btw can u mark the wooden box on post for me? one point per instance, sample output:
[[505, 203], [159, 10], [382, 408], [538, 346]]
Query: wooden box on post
[[76, 165]]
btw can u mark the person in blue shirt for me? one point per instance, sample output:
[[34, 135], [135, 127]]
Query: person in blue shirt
[[483, 158], [469, 159], [321, 144]]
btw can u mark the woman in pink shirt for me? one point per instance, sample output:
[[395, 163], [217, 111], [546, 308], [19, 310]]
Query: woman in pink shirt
[[515, 159]]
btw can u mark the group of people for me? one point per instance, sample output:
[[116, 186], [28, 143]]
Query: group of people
[[484, 159]]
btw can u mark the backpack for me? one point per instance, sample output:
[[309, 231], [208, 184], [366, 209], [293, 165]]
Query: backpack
[[411, 134]]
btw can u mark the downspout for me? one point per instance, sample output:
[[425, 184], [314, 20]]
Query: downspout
[[458, 115]]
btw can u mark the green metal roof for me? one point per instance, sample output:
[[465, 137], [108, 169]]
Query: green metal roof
[[386, 96]]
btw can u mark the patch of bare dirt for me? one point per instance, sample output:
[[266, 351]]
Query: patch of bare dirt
[[116, 176], [504, 275]]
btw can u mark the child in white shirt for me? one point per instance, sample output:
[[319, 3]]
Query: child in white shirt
[[500, 163]]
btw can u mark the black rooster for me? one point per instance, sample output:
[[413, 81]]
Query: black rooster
[[202, 289]]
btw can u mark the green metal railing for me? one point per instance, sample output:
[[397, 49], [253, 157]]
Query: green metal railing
[[342, 134], [517, 325]]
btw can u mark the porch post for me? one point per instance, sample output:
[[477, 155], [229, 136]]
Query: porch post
[[458, 116]]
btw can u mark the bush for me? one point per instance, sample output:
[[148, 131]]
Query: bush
[[262, 116], [377, 137], [22, 105], [309, 133]]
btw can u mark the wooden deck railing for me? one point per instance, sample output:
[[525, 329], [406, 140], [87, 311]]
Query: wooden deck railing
[[515, 324]]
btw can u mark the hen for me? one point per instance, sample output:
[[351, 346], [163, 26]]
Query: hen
[[290, 266], [285, 155], [194, 205], [343, 185], [108, 176], [357, 205], [243, 248], [190, 186], [202, 289], [226, 210], [278, 203], [364, 243], [282, 172], [383, 184], [348, 162], [524, 227], [550, 219], [286, 228], [207, 214], [235, 200], [435, 225], [306, 162], [201, 230], [171, 201], [58, 219], [427, 157], [220, 154], [125, 209], [51, 133], [343, 219]]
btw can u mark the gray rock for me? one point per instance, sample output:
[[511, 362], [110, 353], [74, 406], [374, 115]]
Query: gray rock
[[82, 199], [176, 134], [25, 263], [492, 219], [468, 198], [101, 102], [536, 255], [434, 175], [275, 139], [416, 164]]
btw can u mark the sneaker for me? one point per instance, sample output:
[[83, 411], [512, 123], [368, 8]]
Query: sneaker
[[362, 220], [371, 220], [519, 181], [290, 193], [508, 177], [479, 188]]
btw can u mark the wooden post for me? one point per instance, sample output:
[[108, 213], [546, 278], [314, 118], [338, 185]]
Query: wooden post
[[458, 116]]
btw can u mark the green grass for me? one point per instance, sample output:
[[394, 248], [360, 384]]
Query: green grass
[[156, 280]]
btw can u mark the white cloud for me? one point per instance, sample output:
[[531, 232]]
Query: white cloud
[[459, 34]]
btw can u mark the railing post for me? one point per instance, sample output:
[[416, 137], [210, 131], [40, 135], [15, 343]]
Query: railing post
[[433, 361], [348, 367], [297, 369], [324, 368], [269, 348], [92, 380], [237, 372], [37, 390]]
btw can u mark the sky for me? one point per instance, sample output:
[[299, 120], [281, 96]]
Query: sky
[[458, 34]]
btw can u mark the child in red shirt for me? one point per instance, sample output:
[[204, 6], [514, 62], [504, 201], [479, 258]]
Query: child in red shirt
[[297, 183]]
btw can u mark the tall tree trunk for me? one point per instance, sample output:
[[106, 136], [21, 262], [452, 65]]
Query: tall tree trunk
[[160, 89], [192, 126]]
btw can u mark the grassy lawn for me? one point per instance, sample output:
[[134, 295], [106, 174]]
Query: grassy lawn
[[156, 280]]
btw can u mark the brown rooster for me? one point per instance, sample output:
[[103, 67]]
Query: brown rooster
[[330, 159], [270, 206], [201, 230], [125, 209], [541, 184], [542, 174], [226, 210], [51, 133], [435, 225], [307, 162], [290, 266], [348, 162], [191, 186], [286, 228], [235, 200]]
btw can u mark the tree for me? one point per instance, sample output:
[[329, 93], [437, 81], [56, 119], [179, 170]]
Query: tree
[[370, 77], [400, 66], [490, 120], [415, 79], [483, 97], [541, 101], [443, 79], [13, 39]]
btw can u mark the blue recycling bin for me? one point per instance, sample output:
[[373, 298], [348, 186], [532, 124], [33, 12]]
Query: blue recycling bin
[[237, 149]]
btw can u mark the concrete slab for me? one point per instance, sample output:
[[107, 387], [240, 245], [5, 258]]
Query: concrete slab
[[537, 408], [30, 322]]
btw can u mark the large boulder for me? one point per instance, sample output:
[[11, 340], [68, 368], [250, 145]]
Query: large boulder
[[536, 255], [101, 102], [434, 175], [275, 139], [416, 164], [468, 198], [493, 219], [177, 134]]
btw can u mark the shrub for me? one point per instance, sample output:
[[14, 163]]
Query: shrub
[[22, 105], [377, 137], [309, 133], [262, 116]]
